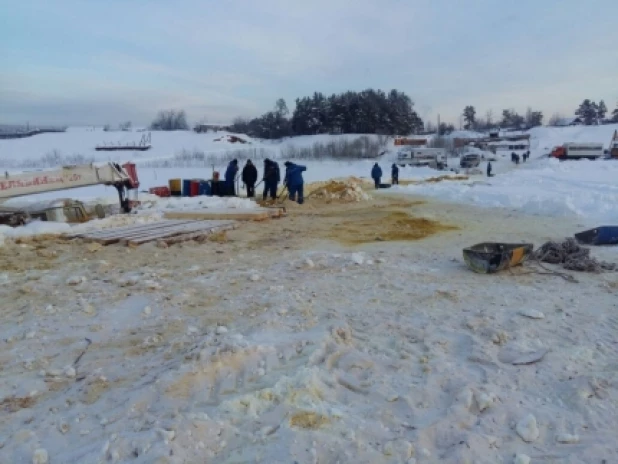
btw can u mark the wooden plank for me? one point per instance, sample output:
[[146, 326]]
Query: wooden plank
[[182, 237], [162, 228], [132, 227], [237, 215], [108, 233], [160, 232], [113, 230], [199, 226], [116, 237]]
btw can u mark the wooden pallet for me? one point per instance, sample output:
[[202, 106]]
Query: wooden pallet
[[169, 231]]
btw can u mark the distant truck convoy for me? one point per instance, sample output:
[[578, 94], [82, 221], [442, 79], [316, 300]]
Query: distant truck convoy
[[431, 157], [578, 151]]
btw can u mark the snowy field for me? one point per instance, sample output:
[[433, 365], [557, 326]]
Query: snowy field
[[541, 186], [544, 187]]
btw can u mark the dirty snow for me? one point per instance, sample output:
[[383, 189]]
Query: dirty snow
[[387, 354]]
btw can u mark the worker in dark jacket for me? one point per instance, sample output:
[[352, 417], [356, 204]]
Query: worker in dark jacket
[[230, 177], [271, 179], [376, 174], [395, 174], [249, 178], [294, 181], [489, 169]]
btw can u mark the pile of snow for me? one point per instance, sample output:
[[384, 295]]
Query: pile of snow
[[546, 187], [345, 190], [32, 229], [153, 202]]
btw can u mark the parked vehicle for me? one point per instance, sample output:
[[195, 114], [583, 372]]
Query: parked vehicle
[[578, 151], [431, 157], [471, 160]]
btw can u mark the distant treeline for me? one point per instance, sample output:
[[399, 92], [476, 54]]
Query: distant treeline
[[367, 112]]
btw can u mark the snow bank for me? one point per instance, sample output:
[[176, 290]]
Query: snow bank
[[150, 202], [547, 187], [33, 228]]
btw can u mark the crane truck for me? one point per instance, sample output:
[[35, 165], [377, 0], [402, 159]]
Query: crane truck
[[124, 178]]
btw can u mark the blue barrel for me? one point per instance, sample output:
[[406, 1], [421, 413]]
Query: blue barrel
[[186, 187], [205, 188]]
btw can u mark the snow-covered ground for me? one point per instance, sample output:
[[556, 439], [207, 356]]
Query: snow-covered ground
[[277, 348], [548, 187], [283, 346], [541, 186]]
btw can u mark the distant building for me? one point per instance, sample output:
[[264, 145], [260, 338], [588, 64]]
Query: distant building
[[565, 122]]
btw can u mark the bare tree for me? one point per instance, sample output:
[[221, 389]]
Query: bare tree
[[554, 120], [489, 117], [170, 120]]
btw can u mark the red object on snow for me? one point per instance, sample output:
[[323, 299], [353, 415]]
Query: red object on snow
[[160, 191], [132, 172]]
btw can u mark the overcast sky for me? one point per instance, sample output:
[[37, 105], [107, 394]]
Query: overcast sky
[[106, 61]]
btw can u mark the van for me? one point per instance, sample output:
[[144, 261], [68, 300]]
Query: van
[[431, 157], [471, 160]]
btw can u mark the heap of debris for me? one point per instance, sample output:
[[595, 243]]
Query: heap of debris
[[347, 190], [572, 257]]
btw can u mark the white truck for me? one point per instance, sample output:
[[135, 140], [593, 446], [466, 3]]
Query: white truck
[[432, 157], [578, 151], [124, 178]]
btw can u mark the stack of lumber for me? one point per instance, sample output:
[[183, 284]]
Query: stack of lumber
[[168, 231], [236, 214]]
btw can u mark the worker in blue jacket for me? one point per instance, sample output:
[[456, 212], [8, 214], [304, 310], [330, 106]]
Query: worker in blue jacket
[[230, 177], [294, 181], [376, 174]]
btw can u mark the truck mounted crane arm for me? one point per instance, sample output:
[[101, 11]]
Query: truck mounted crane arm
[[68, 177]]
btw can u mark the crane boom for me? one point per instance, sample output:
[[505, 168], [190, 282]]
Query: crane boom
[[66, 177]]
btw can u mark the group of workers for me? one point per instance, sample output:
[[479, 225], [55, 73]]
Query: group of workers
[[376, 174], [293, 179], [515, 157]]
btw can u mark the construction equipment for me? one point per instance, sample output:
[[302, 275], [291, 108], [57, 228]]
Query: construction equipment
[[67, 177]]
